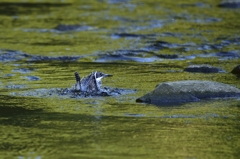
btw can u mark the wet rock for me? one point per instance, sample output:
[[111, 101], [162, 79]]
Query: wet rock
[[66, 28], [236, 71], [188, 91], [230, 4], [203, 69]]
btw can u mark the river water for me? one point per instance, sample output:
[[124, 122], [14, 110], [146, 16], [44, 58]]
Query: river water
[[142, 43]]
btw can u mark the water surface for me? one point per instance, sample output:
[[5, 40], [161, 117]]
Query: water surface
[[142, 43]]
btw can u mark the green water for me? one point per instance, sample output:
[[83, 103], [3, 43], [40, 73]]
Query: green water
[[33, 126]]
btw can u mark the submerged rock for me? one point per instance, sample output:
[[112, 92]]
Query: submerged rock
[[203, 69], [236, 71], [106, 91], [230, 4], [188, 91]]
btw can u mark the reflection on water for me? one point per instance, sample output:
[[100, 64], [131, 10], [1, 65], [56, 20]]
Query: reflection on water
[[142, 43]]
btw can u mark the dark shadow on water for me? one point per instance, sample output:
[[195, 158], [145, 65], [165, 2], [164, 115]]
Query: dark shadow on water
[[18, 114], [13, 113]]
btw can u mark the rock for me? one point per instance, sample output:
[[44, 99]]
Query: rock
[[230, 4], [188, 91], [66, 28], [236, 71], [203, 69]]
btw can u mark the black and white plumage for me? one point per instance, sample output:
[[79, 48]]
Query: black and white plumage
[[91, 83]]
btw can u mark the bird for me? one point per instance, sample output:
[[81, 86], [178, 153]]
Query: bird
[[92, 83]]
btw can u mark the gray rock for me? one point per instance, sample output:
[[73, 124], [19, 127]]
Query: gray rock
[[188, 91], [203, 69]]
